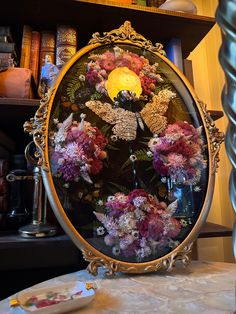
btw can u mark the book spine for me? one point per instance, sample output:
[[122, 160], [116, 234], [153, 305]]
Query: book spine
[[25, 47], [34, 55], [47, 47], [66, 44]]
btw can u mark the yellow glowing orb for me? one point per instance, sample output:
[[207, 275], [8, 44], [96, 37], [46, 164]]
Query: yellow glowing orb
[[123, 79]]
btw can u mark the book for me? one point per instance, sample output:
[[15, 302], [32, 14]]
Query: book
[[66, 44], [34, 55], [47, 47], [174, 52], [25, 47]]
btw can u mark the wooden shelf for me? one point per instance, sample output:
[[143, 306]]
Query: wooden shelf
[[100, 16], [19, 102], [211, 230]]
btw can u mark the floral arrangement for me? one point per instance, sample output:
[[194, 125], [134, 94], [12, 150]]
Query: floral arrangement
[[177, 153], [138, 224], [101, 65], [78, 150]]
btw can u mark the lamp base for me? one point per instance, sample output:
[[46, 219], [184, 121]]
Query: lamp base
[[39, 230]]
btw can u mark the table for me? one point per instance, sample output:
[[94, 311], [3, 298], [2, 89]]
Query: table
[[203, 287]]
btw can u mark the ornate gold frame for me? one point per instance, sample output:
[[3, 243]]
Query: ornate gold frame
[[38, 127]]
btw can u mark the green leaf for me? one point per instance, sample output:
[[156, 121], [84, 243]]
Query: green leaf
[[72, 88], [119, 187], [140, 154]]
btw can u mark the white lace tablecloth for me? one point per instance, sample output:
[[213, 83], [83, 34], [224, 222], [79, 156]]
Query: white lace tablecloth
[[203, 287]]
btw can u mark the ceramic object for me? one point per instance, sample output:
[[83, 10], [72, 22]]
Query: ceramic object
[[56, 299], [186, 6]]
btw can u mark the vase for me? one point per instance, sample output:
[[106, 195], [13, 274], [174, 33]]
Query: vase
[[185, 6]]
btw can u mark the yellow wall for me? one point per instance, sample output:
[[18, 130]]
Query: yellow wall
[[208, 82]]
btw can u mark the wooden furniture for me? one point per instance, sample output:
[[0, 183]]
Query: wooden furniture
[[203, 287]]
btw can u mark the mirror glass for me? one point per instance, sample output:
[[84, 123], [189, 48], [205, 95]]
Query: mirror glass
[[128, 152]]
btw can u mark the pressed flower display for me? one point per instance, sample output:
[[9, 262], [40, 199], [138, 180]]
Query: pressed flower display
[[129, 165]]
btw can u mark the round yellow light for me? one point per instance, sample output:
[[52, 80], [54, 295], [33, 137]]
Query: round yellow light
[[123, 79]]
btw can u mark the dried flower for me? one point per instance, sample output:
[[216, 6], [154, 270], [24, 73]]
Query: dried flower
[[177, 153], [138, 224], [100, 231]]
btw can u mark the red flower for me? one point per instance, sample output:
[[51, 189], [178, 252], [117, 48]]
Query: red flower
[[174, 228], [135, 193], [146, 83], [107, 64], [96, 166]]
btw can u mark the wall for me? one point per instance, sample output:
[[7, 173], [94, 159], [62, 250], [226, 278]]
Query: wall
[[208, 82]]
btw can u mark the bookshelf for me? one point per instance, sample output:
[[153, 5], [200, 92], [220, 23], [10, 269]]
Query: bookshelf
[[90, 16]]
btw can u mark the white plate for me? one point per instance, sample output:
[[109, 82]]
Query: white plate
[[55, 299]]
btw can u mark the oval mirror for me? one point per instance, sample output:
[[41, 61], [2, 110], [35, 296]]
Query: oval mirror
[[128, 154]]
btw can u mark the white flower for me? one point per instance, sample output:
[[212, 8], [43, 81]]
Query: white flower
[[183, 222], [82, 78], [197, 189], [55, 121], [114, 138], [133, 158], [135, 234], [100, 231], [100, 202], [163, 180], [66, 185], [61, 161], [111, 198], [116, 250], [149, 153]]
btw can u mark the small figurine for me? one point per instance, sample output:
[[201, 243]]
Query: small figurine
[[49, 73]]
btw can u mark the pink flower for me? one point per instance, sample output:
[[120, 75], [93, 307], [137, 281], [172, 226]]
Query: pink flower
[[174, 228], [135, 193], [176, 160], [155, 227], [92, 77], [107, 64]]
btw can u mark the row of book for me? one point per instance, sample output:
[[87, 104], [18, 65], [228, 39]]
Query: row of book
[[60, 45]]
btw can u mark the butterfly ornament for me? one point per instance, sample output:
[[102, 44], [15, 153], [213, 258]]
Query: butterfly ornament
[[126, 122]]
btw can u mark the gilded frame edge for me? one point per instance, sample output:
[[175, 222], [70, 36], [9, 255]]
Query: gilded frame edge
[[38, 127]]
